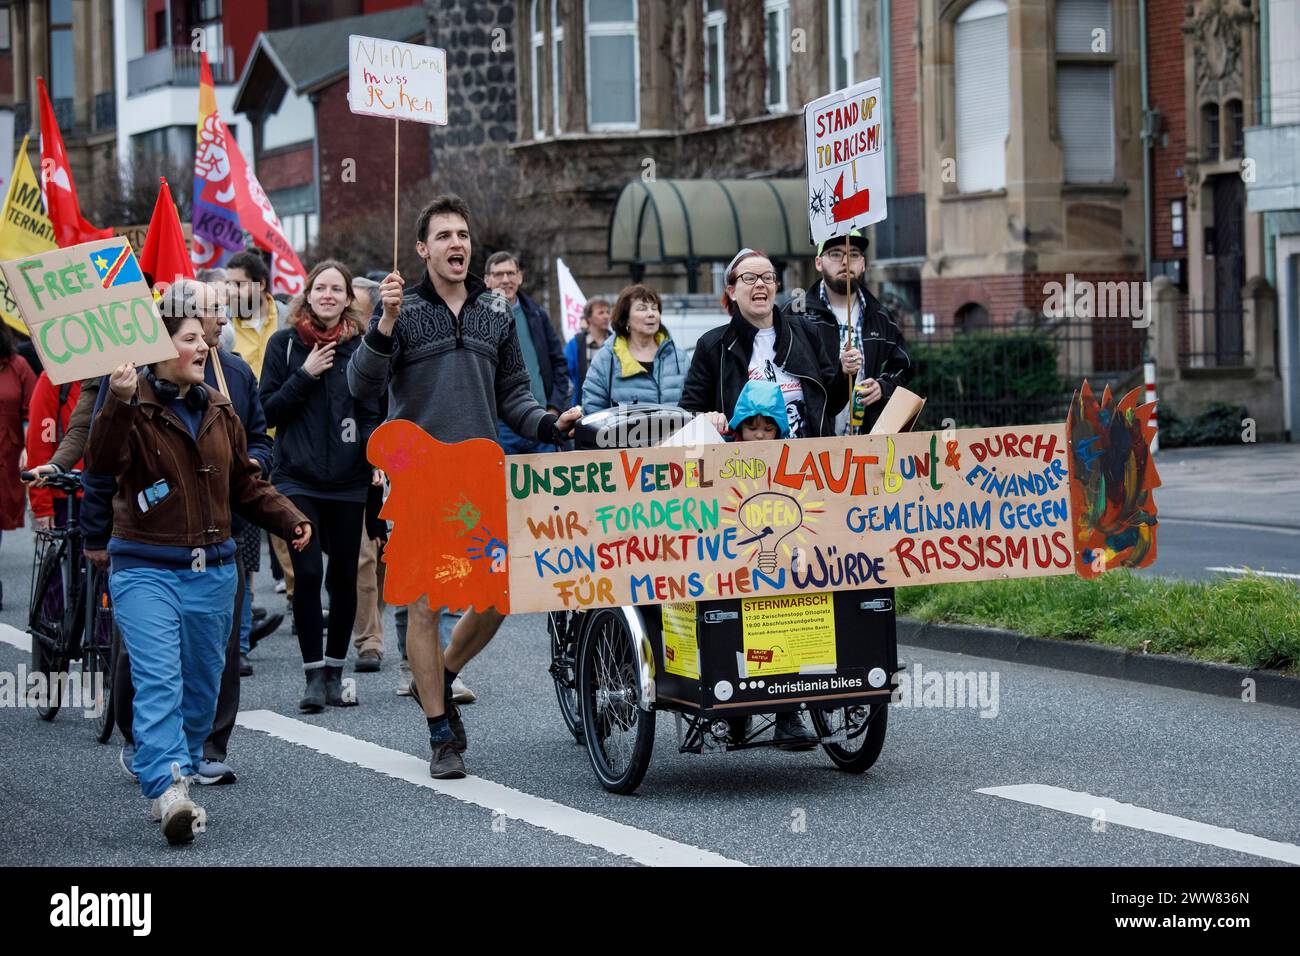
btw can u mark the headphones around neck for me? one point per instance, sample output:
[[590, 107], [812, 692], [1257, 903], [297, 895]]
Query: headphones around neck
[[196, 399]]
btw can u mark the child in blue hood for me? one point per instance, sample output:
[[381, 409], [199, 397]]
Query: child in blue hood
[[760, 415]]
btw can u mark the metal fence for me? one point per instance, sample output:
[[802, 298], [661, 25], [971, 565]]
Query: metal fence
[[176, 66], [1219, 330], [1022, 372]]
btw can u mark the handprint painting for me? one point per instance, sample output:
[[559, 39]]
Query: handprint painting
[[1112, 476], [449, 518]]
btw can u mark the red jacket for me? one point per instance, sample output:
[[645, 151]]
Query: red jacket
[[43, 436]]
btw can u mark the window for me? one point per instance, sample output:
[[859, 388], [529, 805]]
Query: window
[[296, 13], [981, 103], [776, 36], [841, 23], [538, 43], [205, 15], [60, 52], [1176, 231], [557, 70], [1210, 132], [4, 27], [715, 61], [1236, 132], [613, 65], [971, 317], [1085, 101]]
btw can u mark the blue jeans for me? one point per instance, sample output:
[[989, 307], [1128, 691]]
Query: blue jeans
[[512, 443], [176, 625], [246, 616]]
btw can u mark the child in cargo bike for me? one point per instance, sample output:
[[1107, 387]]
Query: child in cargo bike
[[760, 415]]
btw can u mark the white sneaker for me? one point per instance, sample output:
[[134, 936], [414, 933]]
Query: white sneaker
[[281, 587], [460, 694], [180, 817], [403, 679]]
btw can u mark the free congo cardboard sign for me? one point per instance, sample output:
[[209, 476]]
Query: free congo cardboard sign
[[589, 529], [88, 309]]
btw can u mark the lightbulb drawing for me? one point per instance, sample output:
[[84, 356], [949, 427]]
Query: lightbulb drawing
[[771, 521], [769, 517]]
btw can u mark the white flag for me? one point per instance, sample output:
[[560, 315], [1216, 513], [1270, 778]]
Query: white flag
[[572, 301]]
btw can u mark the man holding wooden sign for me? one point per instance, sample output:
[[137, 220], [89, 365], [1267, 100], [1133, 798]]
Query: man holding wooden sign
[[447, 353], [88, 309]]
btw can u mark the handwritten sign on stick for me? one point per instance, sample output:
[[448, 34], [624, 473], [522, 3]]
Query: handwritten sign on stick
[[845, 137], [654, 526], [404, 81], [88, 309]]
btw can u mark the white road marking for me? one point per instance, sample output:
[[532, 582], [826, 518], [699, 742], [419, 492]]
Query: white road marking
[[19, 639], [1239, 525], [1139, 818], [639, 845], [1262, 574]]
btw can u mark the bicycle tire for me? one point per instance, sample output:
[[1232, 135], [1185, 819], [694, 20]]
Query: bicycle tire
[[99, 657], [45, 625], [564, 669], [609, 697], [868, 742]]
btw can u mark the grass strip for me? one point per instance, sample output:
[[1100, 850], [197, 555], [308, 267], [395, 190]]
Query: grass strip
[[1252, 621]]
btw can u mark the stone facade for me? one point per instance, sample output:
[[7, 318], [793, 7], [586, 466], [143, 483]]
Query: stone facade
[[480, 39]]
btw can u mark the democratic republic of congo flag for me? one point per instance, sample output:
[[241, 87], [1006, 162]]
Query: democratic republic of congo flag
[[116, 265]]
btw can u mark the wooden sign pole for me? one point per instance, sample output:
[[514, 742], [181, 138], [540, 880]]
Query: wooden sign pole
[[397, 132]]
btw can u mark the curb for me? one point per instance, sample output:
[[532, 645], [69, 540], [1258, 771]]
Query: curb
[[1100, 660]]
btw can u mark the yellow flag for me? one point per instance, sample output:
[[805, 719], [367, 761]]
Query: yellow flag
[[24, 229]]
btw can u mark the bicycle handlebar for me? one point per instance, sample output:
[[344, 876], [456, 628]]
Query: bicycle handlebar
[[68, 482]]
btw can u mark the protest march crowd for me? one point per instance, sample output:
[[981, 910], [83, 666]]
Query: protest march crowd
[[460, 356], [256, 429]]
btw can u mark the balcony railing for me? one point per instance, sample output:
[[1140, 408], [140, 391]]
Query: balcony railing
[[175, 66], [105, 111], [902, 235]]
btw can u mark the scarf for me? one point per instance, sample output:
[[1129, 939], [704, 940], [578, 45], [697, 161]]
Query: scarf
[[312, 334]]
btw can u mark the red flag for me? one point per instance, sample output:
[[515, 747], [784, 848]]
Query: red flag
[[56, 175], [260, 221], [164, 256]]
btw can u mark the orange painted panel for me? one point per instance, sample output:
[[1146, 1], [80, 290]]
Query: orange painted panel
[[448, 508]]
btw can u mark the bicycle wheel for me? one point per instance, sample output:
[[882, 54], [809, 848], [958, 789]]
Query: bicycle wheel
[[618, 733], [97, 658], [564, 668], [864, 725], [45, 618]]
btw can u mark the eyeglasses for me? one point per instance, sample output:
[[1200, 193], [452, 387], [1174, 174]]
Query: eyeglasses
[[503, 275], [749, 278], [837, 255]]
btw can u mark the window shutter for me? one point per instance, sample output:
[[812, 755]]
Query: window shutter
[[982, 99], [1075, 22], [1085, 116]]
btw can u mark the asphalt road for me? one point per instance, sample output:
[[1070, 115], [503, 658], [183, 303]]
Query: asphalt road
[[361, 795]]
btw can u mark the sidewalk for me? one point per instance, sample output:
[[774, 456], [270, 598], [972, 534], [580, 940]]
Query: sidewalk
[[1248, 483]]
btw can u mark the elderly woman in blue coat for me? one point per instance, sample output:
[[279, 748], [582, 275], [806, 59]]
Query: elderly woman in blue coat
[[639, 362]]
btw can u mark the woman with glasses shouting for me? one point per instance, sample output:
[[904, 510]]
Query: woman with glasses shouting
[[763, 343]]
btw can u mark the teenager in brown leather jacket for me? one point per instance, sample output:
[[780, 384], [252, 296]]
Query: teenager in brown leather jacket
[[181, 462]]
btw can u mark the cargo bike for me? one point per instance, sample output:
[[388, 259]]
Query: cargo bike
[[615, 669]]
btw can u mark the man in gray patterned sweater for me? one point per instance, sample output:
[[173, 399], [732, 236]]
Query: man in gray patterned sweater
[[448, 355]]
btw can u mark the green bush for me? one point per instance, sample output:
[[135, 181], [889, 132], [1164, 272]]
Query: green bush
[[1218, 424], [987, 379]]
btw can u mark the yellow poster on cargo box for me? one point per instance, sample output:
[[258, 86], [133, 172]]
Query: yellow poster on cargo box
[[788, 635], [681, 646]]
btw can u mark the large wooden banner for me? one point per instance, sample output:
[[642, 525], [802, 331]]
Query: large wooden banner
[[596, 529]]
